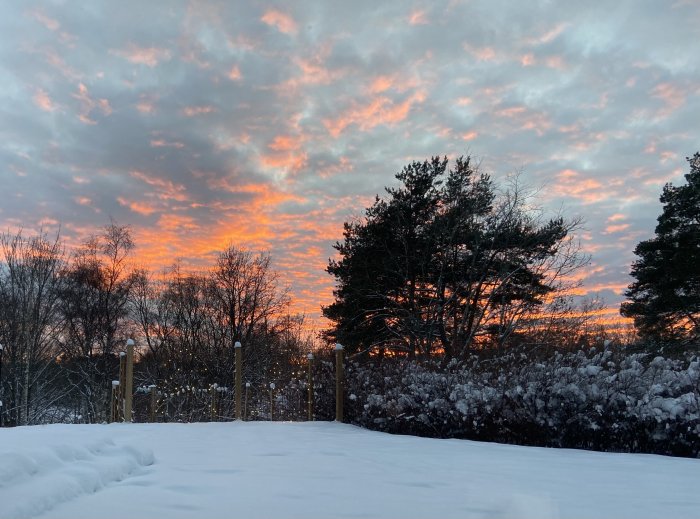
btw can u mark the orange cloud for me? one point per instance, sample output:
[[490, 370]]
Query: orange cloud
[[572, 184], [286, 154], [281, 21], [137, 207], [470, 136], [166, 190], [381, 110]]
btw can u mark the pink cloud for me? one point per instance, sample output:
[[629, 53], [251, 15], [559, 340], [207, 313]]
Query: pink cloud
[[418, 18], [381, 84], [193, 111], [616, 217], [46, 21], [481, 53], [149, 56], [393, 82], [88, 104], [281, 21], [470, 136], [43, 101], [145, 107], [527, 60], [547, 36], [610, 229], [555, 62], [234, 74], [314, 73], [671, 95], [162, 143]]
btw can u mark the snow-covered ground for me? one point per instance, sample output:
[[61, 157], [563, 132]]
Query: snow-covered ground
[[321, 470]]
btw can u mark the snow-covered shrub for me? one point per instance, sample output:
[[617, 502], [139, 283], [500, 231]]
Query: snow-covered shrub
[[603, 400]]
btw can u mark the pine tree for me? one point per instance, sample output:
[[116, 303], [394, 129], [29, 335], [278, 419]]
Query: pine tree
[[664, 301], [444, 262]]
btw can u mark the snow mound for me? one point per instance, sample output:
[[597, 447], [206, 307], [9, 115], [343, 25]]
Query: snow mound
[[33, 481]]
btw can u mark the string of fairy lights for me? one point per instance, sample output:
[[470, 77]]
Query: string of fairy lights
[[173, 387]]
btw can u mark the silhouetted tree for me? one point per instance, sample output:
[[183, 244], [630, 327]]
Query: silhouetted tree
[[29, 320], [446, 261], [94, 305], [664, 301]]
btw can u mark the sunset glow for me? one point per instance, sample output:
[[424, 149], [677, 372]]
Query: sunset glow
[[204, 124]]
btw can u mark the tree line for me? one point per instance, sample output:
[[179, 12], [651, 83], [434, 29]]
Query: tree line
[[448, 264], [64, 318], [451, 262]]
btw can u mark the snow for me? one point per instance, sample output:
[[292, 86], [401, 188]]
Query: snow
[[322, 470]]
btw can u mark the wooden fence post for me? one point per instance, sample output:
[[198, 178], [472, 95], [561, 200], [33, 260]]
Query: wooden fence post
[[245, 402], [310, 386], [239, 378], [213, 390], [339, 383], [129, 389], [114, 408], [122, 385], [154, 402], [272, 401]]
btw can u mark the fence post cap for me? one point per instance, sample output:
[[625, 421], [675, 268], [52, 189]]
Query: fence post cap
[[237, 345], [310, 356], [338, 347], [130, 342], [247, 384], [122, 354], [272, 385], [115, 382]]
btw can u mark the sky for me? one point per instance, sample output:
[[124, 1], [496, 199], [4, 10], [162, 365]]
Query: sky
[[267, 125]]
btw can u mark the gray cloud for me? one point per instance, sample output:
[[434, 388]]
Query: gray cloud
[[199, 123]]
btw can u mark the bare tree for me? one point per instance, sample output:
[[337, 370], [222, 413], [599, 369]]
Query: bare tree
[[94, 306], [29, 321]]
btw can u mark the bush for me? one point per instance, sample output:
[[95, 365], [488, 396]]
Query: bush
[[603, 400]]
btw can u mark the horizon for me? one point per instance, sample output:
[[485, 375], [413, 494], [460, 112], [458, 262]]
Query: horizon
[[268, 126]]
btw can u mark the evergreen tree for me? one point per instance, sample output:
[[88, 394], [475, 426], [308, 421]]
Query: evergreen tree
[[664, 301], [444, 262]]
